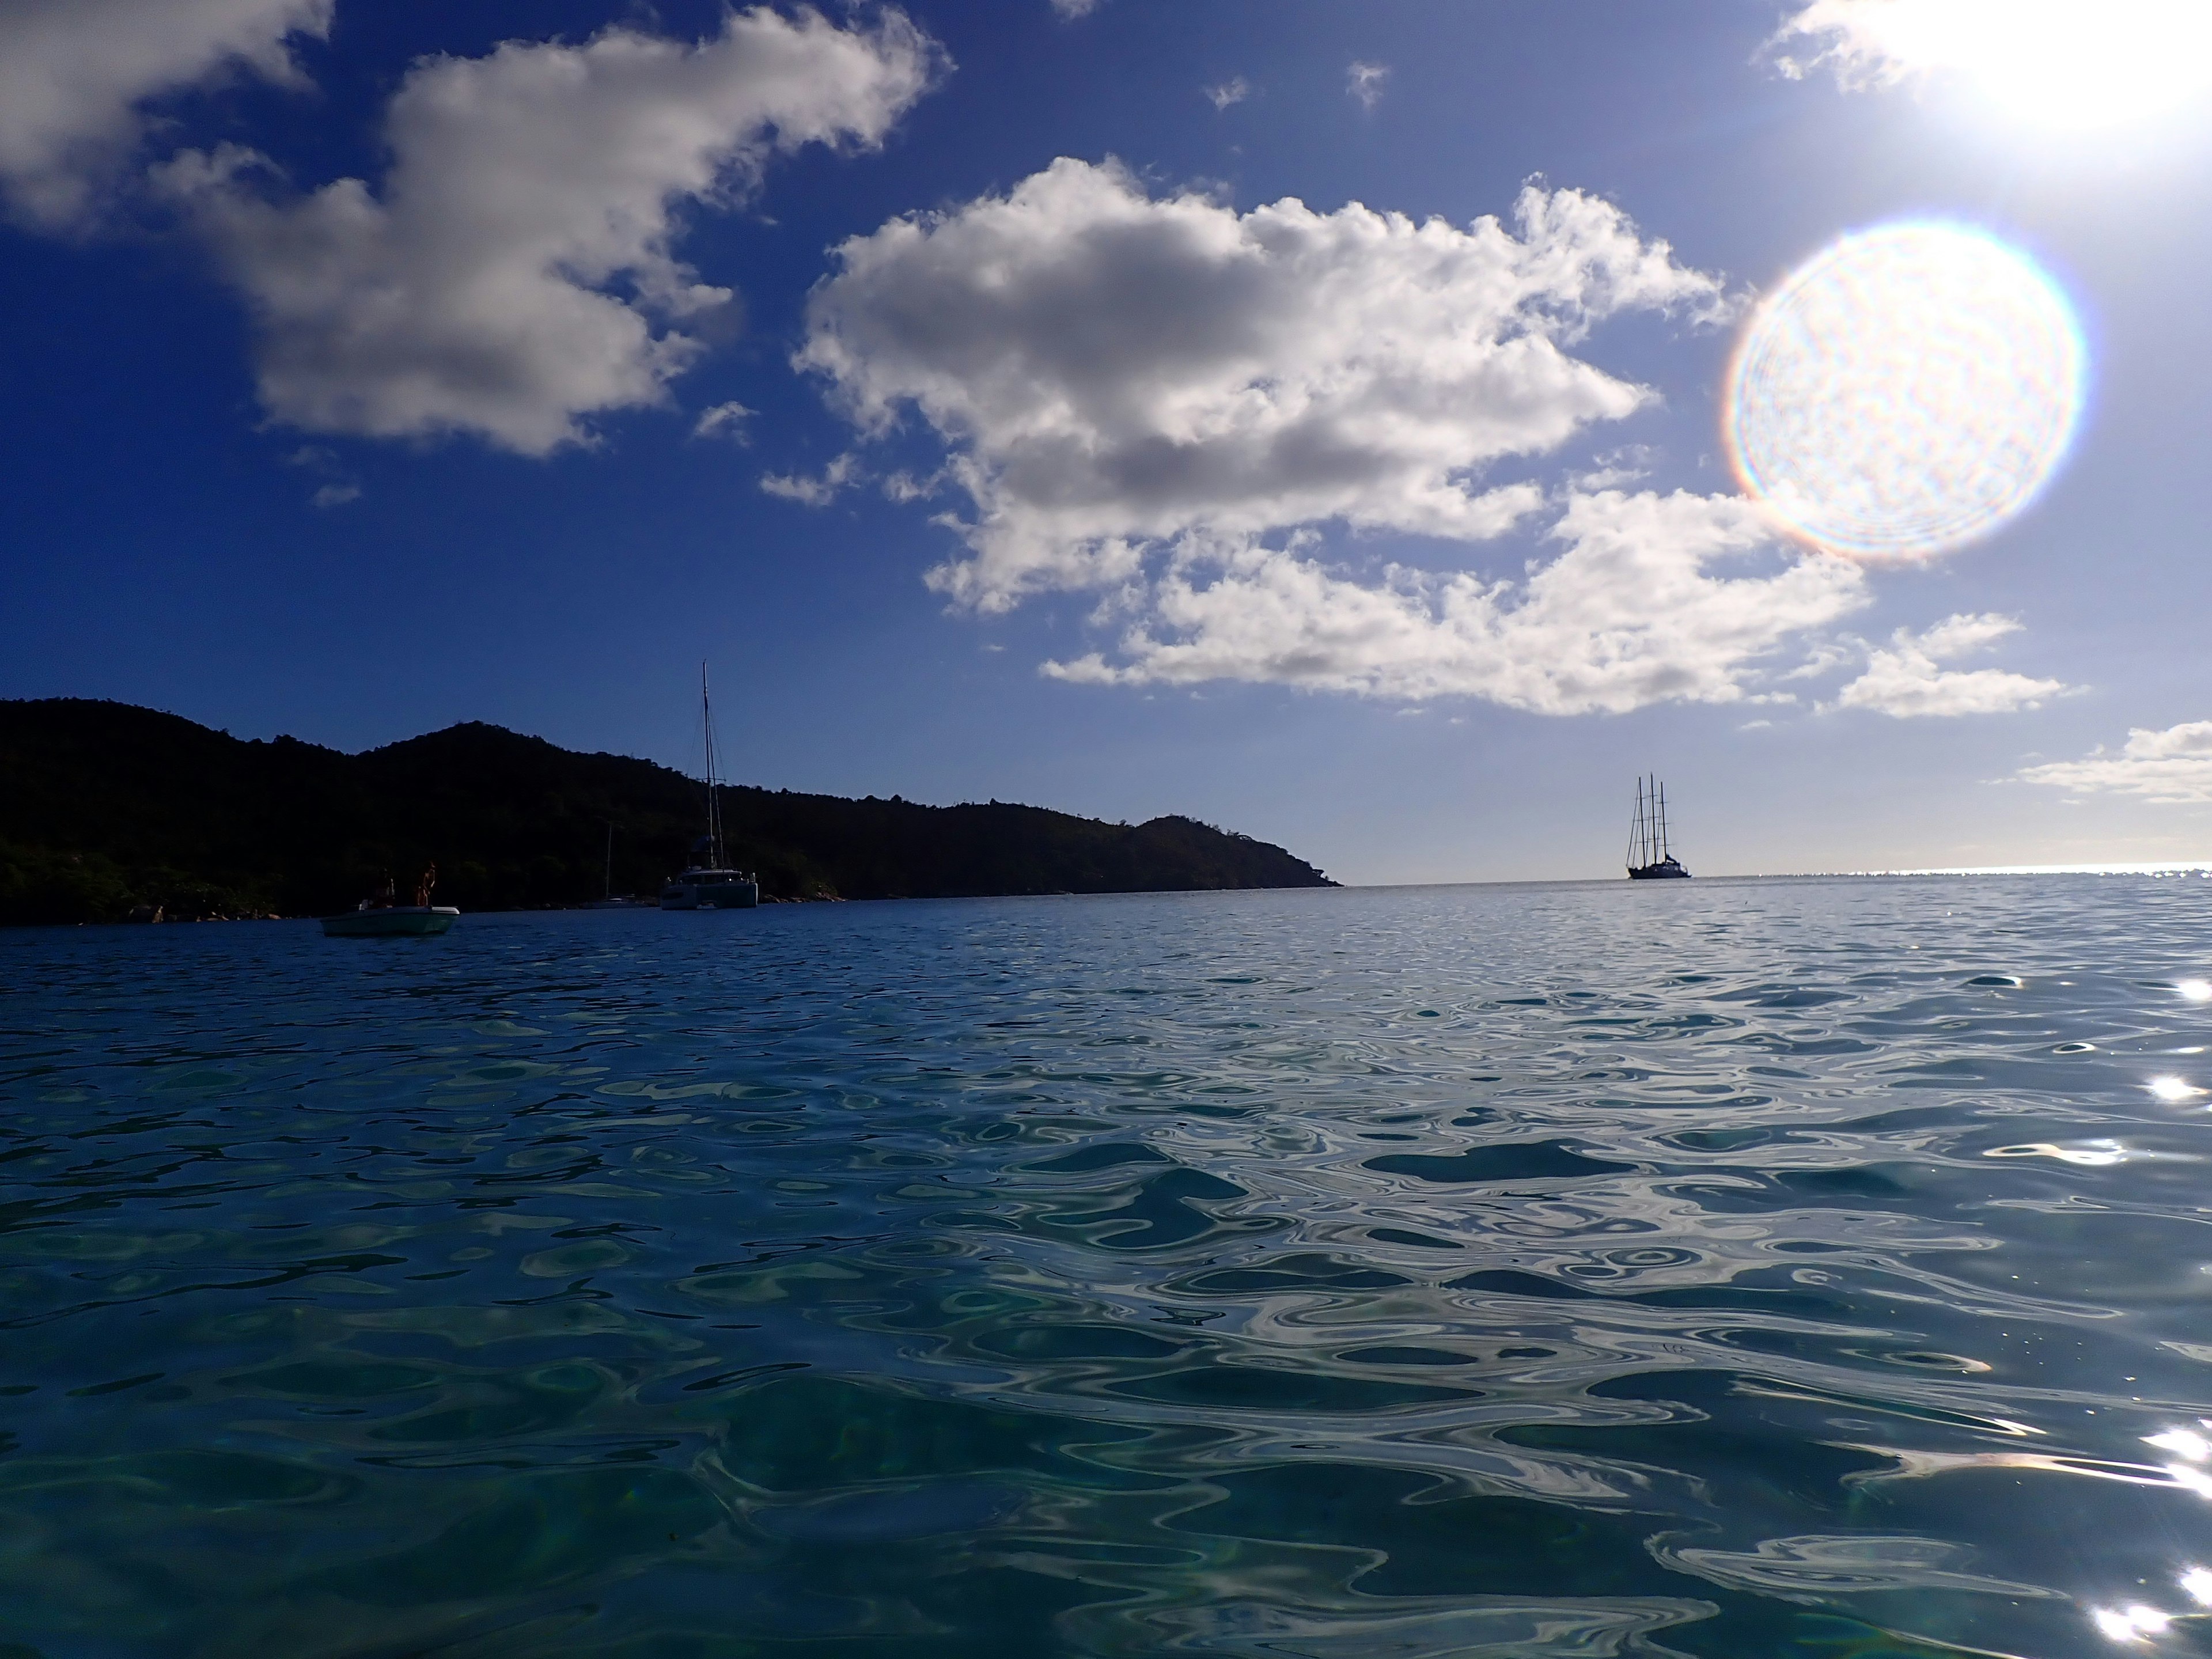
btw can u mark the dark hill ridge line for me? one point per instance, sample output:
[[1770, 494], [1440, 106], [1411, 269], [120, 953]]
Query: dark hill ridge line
[[107, 808]]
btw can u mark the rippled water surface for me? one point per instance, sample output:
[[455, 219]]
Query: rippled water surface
[[1717, 1268]]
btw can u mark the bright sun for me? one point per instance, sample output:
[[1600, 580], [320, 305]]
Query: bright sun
[[2071, 64]]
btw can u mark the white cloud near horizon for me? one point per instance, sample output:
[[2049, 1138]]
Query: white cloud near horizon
[[515, 271], [73, 74], [1905, 679], [2173, 767], [1638, 609], [1112, 372]]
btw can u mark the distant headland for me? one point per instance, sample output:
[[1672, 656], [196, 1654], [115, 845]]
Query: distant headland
[[108, 811]]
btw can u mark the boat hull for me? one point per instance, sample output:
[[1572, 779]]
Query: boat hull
[[1666, 870], [710, 896], [396, 922]]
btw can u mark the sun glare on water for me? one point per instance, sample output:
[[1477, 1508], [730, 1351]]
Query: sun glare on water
[[1907, 390]]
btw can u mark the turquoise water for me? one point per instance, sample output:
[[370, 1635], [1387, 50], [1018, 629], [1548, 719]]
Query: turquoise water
[[1712, 1268]]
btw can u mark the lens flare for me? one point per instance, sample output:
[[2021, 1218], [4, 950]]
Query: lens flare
[[1906, 391]]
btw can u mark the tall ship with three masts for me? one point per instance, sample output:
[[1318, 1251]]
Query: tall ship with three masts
[[711, 884], [1648, 859]]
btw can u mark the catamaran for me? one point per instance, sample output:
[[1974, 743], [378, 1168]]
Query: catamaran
[[1648, 857], [712, 885]]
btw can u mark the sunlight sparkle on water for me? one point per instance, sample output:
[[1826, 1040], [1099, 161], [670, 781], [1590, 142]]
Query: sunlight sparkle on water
[[2171, 1088], [2183, 1442], [1906, 391], [2196, 990], [2130, 1624]]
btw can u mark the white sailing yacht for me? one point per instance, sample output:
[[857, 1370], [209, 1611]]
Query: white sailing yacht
[[712, 885]]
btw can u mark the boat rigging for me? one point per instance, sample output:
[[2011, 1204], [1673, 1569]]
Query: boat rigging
[[1648, 857]]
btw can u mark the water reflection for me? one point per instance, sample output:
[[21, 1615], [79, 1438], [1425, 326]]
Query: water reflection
[[2132, 1622], [1418, 1273]]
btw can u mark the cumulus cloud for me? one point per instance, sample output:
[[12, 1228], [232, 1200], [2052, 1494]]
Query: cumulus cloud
[[1366, 82], [514, 272], [1640, 608], [1235, 90], [74, 73], [1112, 372], [2174, 765], [1906, 681]]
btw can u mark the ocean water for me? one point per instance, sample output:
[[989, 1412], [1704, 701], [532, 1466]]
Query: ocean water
[[1718, 1268]]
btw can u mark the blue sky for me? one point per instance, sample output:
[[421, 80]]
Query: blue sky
[[371, 368]]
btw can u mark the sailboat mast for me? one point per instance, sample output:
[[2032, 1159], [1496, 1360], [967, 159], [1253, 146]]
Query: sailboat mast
[[714, 803], [1662, 820], [609, 891]]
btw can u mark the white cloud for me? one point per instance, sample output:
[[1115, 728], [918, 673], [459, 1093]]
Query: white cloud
[[335, 495], [73, 74], [508, 276], [2054, 62], [1366, 82], [2174, 765], [1906, 681], [1111, 373], [1633, 612], [728, 419], [1235, 90], [814, 492], [1876, 43], [1068, 10]]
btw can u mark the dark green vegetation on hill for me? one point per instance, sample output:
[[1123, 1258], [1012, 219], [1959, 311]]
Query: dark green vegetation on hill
[[106, 809]]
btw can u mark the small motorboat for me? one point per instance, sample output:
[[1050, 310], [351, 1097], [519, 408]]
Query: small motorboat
[[390, 921], [384, 917]]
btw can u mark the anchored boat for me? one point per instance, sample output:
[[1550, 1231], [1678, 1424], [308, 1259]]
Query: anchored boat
[[1648, 859], [712, 885], [390, 921], [384, 917]]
